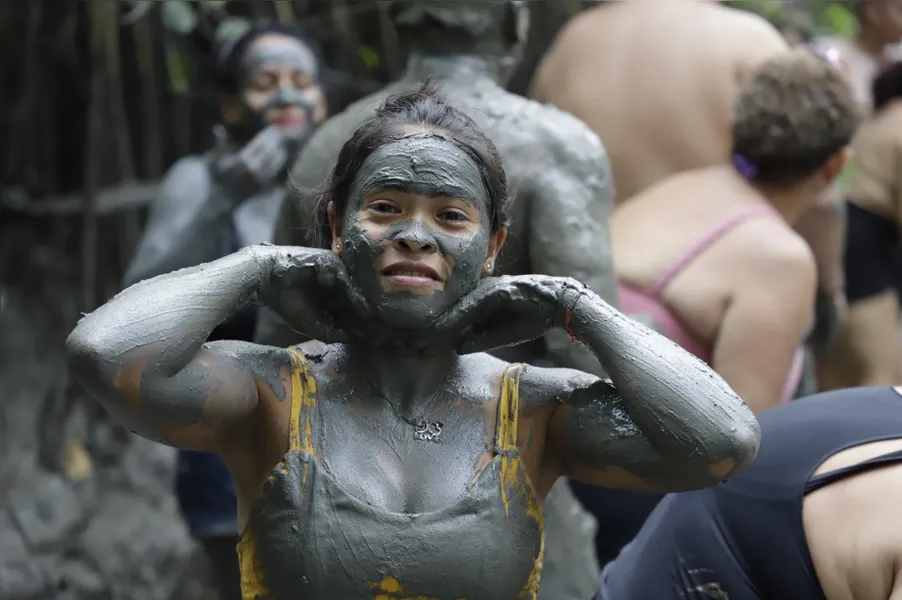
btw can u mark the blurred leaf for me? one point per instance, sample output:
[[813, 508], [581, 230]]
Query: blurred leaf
[[230, 27], [839, 19], [179, 16], [369, 57], [178, 67]]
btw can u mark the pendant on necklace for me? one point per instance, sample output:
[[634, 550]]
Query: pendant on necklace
[[427, 431]]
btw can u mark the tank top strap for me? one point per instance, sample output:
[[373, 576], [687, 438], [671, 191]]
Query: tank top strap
[[696, 249], [301, 432], [508, 410], [824, 479]]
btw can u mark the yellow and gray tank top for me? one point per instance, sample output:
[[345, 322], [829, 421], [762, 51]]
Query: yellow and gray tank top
[[307, 538]]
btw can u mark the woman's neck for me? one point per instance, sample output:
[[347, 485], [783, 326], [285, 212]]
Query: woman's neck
[[405, 379], [791, 202]]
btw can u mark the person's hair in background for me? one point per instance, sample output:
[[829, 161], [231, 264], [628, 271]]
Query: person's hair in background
[[230, 52], [422, 112], [887, 86], [792, 116]]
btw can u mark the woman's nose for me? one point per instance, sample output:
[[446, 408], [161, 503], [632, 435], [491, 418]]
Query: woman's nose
[[414, 237]]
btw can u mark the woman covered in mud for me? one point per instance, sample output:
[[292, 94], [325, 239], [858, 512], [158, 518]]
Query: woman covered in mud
[[393, 457]]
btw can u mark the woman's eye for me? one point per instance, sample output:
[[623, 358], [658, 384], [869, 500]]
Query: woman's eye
[[302, 81], [262, 82], [453, 215], [384, 207]]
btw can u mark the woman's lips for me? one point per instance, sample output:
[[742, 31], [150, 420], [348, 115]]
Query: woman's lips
[[412, 275], [291, 121], [411, 280]]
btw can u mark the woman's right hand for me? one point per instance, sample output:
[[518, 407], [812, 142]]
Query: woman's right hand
[[311, 289], [255, 166]]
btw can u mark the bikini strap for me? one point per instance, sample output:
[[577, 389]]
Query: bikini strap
[[819, 481], [726, 226], [508, 409], [303, 404]]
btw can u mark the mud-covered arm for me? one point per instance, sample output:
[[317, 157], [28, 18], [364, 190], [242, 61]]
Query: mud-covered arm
[[666, 423], [186, 224], [570, 199], [142, 354]]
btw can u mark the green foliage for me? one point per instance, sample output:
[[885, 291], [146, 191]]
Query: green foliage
[[839, 18], [820, 17], [369, 57]]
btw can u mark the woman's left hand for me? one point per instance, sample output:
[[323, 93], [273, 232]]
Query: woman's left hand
[[503, 311]]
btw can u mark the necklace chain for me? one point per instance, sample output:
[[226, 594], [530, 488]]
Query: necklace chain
[[426, 431]]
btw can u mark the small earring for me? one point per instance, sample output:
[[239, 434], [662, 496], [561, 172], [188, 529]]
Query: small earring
[[489, 265], [337, 247]]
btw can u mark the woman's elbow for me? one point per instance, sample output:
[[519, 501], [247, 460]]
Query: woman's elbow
[[87, 358], [737, 447]]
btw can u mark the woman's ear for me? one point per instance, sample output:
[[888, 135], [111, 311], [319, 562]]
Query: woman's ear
[[335, 228], [496, 241], [230, 109]]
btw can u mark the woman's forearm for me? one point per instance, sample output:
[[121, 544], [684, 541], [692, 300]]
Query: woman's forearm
[[685, 410], [175, 312]]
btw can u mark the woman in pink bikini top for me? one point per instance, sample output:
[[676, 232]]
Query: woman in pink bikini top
[[709, 257]]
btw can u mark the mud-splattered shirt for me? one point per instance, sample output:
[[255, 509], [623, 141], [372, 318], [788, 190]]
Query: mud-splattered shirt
[[309, 538]]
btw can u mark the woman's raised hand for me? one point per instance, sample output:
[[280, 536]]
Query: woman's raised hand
[[310, 288], [504, 311]]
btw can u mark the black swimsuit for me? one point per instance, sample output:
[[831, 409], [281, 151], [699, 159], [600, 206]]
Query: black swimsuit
[[745, 539], [872, 257]]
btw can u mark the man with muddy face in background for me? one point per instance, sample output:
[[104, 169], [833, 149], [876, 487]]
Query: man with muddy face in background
[[556, 167]]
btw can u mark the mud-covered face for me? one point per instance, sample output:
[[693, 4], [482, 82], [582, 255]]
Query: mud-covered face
[[279, 86], [416, 233]]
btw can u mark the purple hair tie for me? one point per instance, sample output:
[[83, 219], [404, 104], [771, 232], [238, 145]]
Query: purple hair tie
[[830, 55], [746, 168]]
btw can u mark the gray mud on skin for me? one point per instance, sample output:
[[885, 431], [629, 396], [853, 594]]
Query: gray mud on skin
[[432, 167], [559, 175], [287, 53]]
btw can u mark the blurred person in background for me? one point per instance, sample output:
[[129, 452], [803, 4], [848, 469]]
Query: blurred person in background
[[879, 30], [209, 206], [869, 351], [610, 66], [709, 257], [848, 362]]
